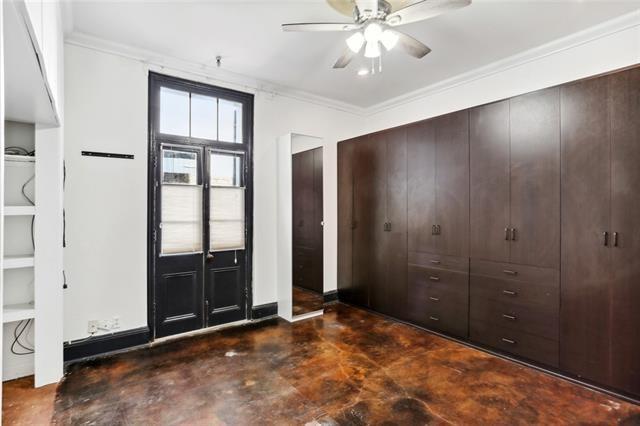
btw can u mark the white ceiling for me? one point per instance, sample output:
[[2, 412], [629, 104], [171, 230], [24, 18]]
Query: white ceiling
[[248, 36]]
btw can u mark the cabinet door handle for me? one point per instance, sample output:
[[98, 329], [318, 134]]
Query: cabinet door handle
[[433, 230], [509, 341], [605, 236], [510, 272], [509, 317], [434, 278], [389, 226], [434, 318], [509, 293], [513, 234], [615, 239], [435, 299], [438, 230], [435, 262], [506, 234]]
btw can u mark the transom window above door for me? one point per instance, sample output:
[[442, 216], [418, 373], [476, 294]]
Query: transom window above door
[[194, 115]]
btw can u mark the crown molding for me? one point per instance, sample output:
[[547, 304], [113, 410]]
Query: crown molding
[[588, 35], [160, 62]]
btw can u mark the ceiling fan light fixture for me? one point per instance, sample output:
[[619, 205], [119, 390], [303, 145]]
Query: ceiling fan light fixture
[[373, 32], [389, 39], [372, 49], [355, 42]]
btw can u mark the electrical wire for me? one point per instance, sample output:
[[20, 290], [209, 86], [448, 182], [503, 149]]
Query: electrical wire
[[17, 334]]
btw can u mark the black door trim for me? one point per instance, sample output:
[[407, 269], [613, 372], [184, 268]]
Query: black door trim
[[155, 141]]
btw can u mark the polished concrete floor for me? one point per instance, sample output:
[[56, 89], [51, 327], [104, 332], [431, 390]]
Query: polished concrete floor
[[348, 367], [305, 301]]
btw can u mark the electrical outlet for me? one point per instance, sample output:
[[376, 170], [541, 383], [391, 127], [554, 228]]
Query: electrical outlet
[[92, 328]]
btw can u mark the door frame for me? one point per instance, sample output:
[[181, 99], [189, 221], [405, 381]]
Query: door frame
[[155, 80]]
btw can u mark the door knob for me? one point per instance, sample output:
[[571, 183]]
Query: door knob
[[209, 256]]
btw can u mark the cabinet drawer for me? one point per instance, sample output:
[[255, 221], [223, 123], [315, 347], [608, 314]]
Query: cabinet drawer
[[514, 272], [535, 348], [445, 316], [454, 263], [538, 320], [515, 292], [423, 281]]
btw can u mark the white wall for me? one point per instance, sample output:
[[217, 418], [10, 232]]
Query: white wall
[[609, 47], [106, 199]]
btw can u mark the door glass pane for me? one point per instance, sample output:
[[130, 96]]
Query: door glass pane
[[181, 203], [204, 117], [226, 169], [230, 121], [174, 112], [179, 167]]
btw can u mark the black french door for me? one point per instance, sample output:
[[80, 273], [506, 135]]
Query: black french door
[[199, 205]]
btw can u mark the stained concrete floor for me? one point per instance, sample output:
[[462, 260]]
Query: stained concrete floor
[[305, 301], [348, 367]]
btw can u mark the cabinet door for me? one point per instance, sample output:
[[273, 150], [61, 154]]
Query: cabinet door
[[625, 291], [452, 183], [369, 209], [421, 175], [395, 250], [535, 178], [585, 138], [345, 216], [489, 209], [318, 244]]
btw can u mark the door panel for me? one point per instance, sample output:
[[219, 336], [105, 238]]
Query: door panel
[[452, 183], [585, 135], [421, 192], [625, 290], [369, 196], [489, 181], [395, 247], [179, 295], [535, 178], [345, 217]]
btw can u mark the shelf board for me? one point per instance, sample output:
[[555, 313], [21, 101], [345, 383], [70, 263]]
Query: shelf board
[[15, 262], [19, 210], [18, 312], [12, 158]]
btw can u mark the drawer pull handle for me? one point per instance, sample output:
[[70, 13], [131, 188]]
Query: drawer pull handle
[[435, 299], [509, 293], [509, 317], [509, 341], [435, 262], [434, 278], [510, 272], [434, 319]]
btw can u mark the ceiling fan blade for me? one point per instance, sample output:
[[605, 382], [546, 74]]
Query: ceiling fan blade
[[424, 9], [345, 59], [320, 26], [344, 7], [410, 45]]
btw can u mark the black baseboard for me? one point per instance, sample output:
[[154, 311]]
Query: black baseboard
[[330, 296], [105, 343], [264, 311]]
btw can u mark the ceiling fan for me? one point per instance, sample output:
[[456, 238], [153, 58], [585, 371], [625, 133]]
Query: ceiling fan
[[374, 23]]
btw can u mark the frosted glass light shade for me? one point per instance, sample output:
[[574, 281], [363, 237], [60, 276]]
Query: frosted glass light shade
[[389, 39], [355, 42], [372, 49]]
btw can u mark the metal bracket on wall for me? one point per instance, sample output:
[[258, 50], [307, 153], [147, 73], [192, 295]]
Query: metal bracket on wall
[[107, 155]]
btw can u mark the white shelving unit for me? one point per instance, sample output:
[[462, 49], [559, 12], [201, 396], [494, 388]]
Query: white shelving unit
[[31, 267]]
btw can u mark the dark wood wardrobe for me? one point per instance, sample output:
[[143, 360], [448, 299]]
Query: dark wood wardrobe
[[517, 224], [307, 219]]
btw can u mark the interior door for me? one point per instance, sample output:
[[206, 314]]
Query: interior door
[[489, 177], [225, 289], [586, 203], [625, 290], [452, 183], [535, 178], [421, 192], [180, 240], [369, 198]]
